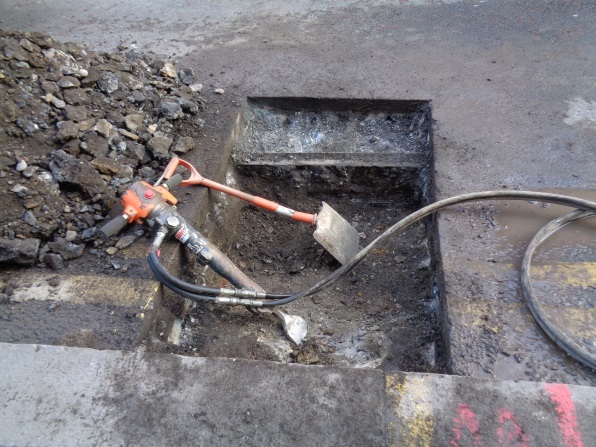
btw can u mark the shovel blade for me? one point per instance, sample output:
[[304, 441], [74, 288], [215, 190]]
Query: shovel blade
[[294, 326], [336, 235]]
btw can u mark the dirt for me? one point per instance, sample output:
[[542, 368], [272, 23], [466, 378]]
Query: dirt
[[384, 314], [77, 128]]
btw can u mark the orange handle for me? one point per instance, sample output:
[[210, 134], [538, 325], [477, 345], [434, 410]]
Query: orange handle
[[305, 217], [197, 179], [265, 204], [194, 179]]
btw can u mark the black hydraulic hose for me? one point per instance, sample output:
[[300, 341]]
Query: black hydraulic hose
[[560, 338], [200, 293], [166, 280], [426, 211], [159, 270]]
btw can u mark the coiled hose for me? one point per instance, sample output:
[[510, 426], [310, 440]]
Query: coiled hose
[[585, 208]]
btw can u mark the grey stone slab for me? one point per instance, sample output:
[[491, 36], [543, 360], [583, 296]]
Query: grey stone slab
[[58, 396], [427, 409]]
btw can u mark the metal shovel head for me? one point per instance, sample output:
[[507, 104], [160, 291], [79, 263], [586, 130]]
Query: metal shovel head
[[294, 326], [336, 235]]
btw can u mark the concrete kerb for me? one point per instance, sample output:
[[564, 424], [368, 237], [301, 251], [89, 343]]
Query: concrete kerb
[[75, 396]]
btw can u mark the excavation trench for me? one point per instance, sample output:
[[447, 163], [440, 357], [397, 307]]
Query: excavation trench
[[370, 162]]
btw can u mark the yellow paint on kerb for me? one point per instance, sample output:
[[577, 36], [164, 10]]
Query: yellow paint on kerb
[[413, 406]]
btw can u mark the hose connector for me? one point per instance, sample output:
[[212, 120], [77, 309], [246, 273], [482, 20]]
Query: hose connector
[[160, 235], [238, 302]]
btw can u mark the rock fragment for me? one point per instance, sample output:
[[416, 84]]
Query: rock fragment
[[14, 51], [54, 261], [108, 83], [19, 251], [67, 130], [21, 166], [29, 46], [76, 97], [171, 109], [134, 122], [76, 113], [27, 126], [186, 75], [111, 250], [125, 241], [79, 173], [66, 249], [184, 144], [69, 82], [160, 146], [30, 219], [168, 70], [103, 127], [106, 165]]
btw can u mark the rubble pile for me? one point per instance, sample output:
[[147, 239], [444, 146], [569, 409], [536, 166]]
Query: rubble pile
[[76, 128]]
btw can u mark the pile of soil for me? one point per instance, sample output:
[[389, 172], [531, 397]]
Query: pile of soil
[[77, 127]]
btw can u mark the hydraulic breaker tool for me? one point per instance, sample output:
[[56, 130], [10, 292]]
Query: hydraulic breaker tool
[[155, 205]]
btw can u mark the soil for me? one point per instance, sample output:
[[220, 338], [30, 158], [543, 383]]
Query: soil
[[384, 314], [77, 127]]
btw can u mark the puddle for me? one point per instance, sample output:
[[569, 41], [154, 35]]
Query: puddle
[[516, 223], [506, 341], [370, 162]]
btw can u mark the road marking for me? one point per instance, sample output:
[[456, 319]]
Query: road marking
[[466, 419], [413, 405], [561, 396], [509, 432]]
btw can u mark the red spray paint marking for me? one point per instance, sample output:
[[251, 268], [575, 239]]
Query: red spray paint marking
[[465, 418], [509, 432], [565, 408]]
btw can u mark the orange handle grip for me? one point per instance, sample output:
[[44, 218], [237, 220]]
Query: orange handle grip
[[265, 204], [305, 217]]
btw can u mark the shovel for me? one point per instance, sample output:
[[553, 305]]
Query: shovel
[[332, 231]]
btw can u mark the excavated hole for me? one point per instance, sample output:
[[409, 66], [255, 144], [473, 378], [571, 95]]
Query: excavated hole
[[386, 313]]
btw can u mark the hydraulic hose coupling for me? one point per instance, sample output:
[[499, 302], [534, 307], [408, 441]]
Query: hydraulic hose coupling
[[238, 302], [160, 235]]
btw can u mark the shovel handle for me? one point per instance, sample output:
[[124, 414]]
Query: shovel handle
[[197, 179]]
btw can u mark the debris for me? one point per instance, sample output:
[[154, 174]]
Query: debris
[[168, 70], [219, 91], [66, 249], [21, 165], [125, 241], [184, 144], [108, 82], [29, 127], [30, 219], [103, 127], [134, 122], [54, 282], [159, 146], [186, 75], [86, 125], [19, 251], [54, 261], [111, 250], [69, 82]]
